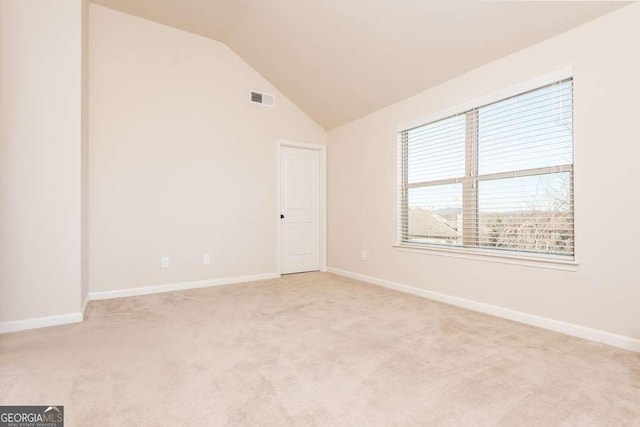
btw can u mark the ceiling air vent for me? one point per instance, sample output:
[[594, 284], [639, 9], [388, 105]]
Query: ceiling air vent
[[263, 99]]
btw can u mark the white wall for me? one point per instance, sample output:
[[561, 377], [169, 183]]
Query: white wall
[[40, 151], [605, 291], [181, 164], [84, 155]]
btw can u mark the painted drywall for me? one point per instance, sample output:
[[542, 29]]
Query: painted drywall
[[84, 156], [604, 292], [181, 163], [40, 152]]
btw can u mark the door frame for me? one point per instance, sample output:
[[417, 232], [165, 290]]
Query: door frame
[[322, 205]]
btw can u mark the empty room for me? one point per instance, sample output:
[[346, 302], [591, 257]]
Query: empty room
[[319, 213]]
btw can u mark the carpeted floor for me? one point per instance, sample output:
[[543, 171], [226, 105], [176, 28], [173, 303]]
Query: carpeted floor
[[313, 349]]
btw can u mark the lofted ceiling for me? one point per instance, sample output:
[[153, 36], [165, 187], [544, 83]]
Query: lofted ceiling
[[339, 60]]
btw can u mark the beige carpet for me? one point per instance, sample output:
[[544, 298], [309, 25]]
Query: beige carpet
[[313, 349]]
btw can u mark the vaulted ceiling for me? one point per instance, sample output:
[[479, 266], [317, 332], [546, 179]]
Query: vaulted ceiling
[[339, 60]]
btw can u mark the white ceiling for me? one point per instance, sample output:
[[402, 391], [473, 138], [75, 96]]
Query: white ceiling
[[339, 60]]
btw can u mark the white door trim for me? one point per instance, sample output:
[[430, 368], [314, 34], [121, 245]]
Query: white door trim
[[323, 199]]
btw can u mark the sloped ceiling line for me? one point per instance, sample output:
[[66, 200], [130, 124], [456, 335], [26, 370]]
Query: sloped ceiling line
[[339, 60]]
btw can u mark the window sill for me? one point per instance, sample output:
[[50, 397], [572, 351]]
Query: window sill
[[523, 260]]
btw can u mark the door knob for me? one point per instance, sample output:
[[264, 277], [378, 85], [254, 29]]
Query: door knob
[[281, 216]]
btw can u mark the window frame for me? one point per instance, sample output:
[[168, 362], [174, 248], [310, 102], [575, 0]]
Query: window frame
[[472, 179]]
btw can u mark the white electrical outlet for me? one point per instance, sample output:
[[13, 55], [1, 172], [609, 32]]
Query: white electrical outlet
[[164, 262], [206, 259], [363, 255]]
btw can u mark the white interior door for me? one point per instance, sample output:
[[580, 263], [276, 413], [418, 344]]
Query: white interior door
[[300, 209]]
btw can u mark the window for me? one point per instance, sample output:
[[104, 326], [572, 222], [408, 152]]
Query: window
[[496, 178]]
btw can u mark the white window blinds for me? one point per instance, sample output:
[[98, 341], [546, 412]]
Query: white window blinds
[[497, 178]]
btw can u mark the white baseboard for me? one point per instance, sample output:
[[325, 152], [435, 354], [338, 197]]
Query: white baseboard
[[63, 319], [85, 303], [93, 296], [39, 322], [620, 341]]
